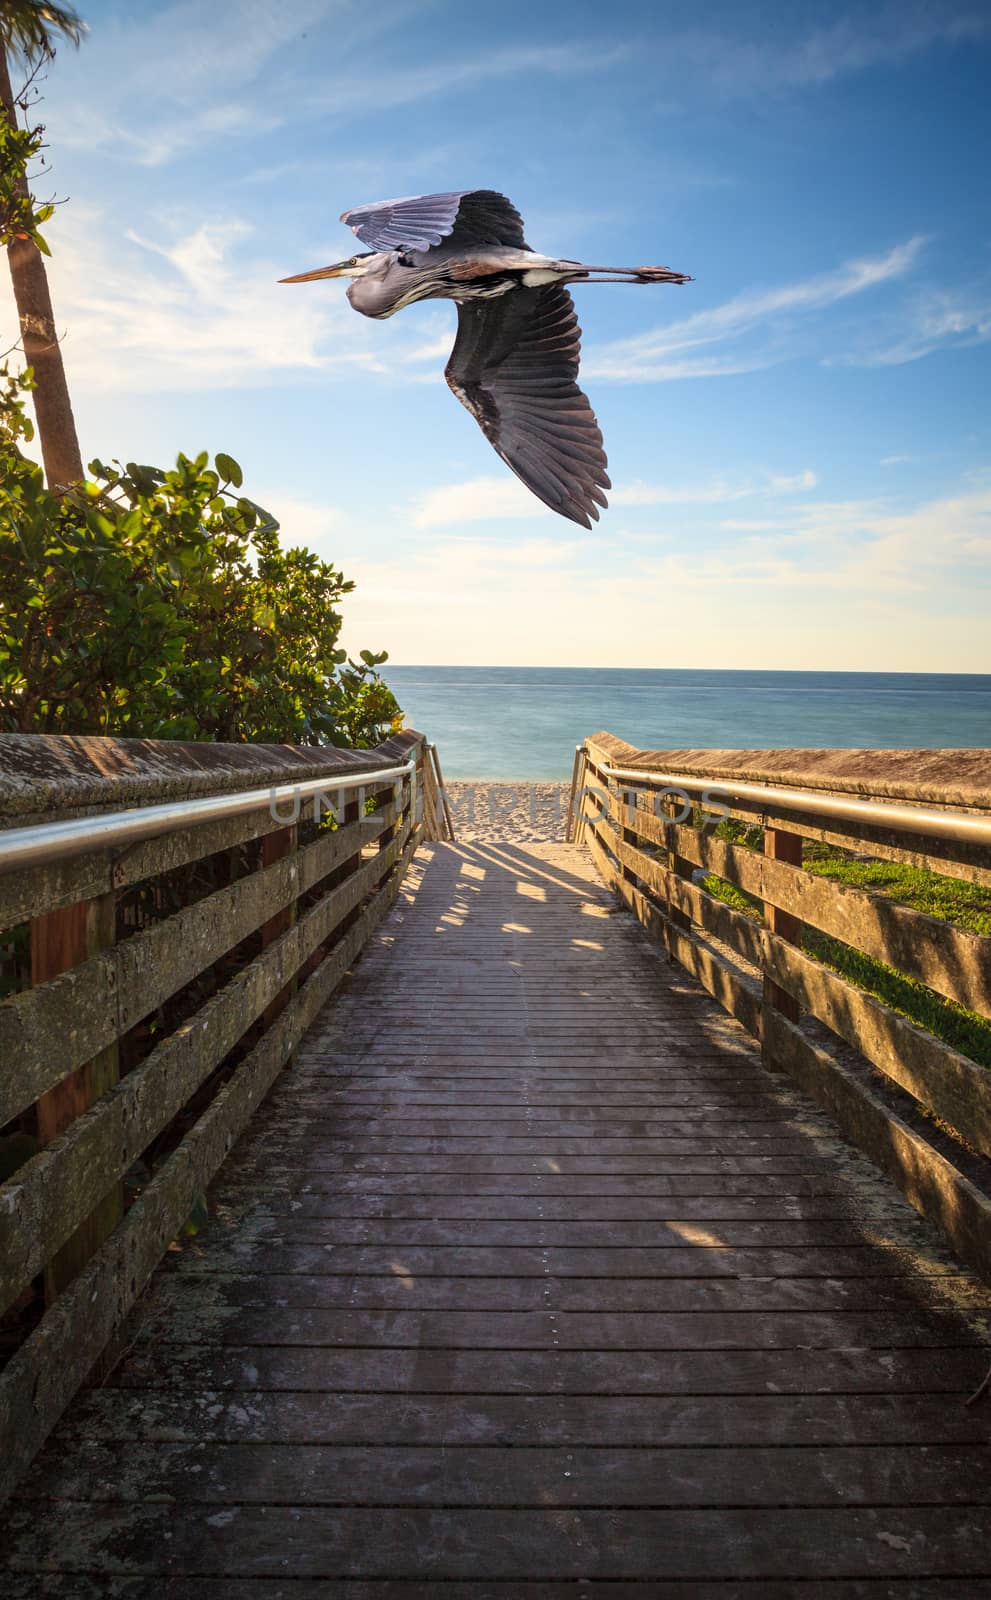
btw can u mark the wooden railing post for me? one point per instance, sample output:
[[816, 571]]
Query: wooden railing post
[[61, 940], [444, 808], [275, 847], [395, 795], [426, 777], [630, 835], [678, 865], [780, 845]]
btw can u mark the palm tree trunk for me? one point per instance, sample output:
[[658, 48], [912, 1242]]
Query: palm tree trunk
[[53, 409]]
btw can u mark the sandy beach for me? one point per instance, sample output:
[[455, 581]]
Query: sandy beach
[[525, 813]]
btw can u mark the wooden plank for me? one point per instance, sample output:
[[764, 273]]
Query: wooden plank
[[656, 1123], [28, 892], [643, 1210], [330, 1475], [586, 1314], [79, 1586], [537, 1233], [528, 1420], [154, 1367], [50, 1029], [537, 1543], [944, 1081], [510, 1314], [49, 1367], [927, 1179], [295, 1255], [60, 942], [800, 1307], [541, 1181]]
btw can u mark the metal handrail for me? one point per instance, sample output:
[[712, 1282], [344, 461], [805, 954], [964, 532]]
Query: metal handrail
[[959, 827], [53, 841]]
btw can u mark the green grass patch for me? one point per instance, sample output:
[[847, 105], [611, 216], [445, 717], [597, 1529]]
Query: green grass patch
[[968, 905], [965, 904]]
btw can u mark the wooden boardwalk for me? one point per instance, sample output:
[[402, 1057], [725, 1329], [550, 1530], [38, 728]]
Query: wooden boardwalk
[[528, 1281]]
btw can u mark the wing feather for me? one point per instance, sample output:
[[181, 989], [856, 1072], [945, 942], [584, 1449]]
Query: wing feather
[[514, 366], [465, 216]]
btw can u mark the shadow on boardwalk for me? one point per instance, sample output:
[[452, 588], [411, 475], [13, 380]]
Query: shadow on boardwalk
[[529, 1281]]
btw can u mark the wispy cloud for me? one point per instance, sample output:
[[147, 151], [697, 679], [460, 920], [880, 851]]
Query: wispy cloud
[[944, 319], [162, 57], [763, 316], [404, 83], [214, 90], [505, 498], [714, 493], [853, 544], [795, 57]]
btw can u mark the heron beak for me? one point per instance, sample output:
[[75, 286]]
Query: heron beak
[[337, 271]]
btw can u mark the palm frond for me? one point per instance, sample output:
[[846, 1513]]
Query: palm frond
[[31, 28]]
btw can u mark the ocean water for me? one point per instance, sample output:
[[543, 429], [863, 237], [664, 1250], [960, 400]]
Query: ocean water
[[524, 722]]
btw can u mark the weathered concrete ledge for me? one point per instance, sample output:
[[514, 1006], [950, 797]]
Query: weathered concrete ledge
[[928, 777], [52, 777]]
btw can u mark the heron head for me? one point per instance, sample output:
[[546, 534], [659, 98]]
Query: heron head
[[354, 267]]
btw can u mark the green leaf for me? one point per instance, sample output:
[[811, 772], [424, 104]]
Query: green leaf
[[229, 469]]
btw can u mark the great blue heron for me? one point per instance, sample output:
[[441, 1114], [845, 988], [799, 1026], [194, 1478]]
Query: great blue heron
[[515, 358]]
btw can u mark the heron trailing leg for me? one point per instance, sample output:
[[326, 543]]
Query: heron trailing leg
[[625, 274]]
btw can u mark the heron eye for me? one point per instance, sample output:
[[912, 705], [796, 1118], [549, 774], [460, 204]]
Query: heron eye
[[353, 262]]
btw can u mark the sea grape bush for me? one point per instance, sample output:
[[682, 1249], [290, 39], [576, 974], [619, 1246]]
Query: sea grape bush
[[163, 605], [20, 217]]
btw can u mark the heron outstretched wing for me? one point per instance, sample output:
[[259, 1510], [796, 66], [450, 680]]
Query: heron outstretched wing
[[514, 365], [465, 216]]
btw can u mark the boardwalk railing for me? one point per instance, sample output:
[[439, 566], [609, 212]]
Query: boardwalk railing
[[650, 819], [176, 916]]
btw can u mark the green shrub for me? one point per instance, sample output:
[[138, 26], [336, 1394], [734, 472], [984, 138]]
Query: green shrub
[[162, 605]]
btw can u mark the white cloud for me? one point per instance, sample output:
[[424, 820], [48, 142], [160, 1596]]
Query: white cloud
[[200, 310], [894, 461], [670, 351], [796, 484], [478, 500], [853, 585]]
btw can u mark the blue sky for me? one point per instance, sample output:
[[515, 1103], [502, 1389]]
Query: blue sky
[[799, 440]]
